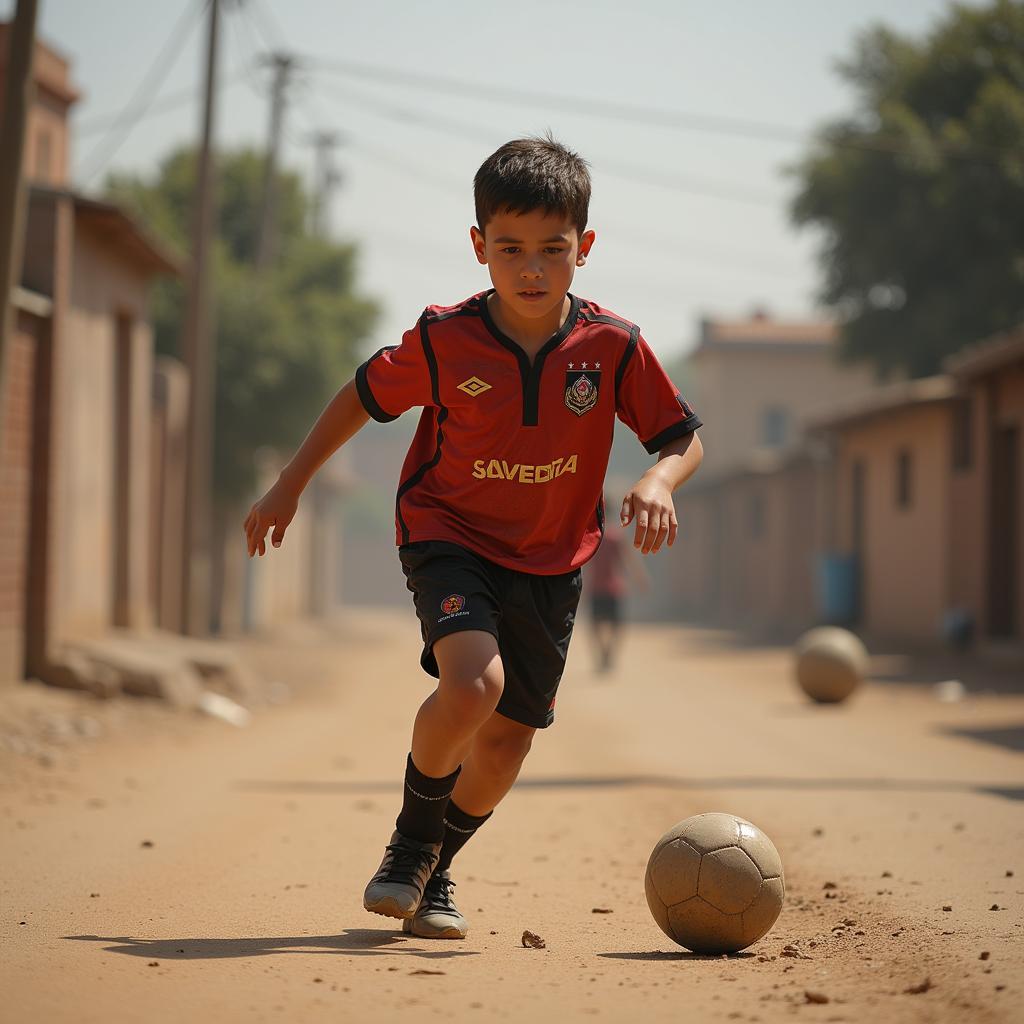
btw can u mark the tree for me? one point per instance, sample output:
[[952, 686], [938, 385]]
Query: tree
[[287, 338], [921, 192]]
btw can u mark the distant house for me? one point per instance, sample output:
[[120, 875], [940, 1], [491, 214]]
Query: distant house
[[894, 473], [756, 379], [754, 517]]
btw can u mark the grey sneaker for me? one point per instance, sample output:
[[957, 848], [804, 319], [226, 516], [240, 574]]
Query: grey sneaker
[[397, 888], [437, 917]]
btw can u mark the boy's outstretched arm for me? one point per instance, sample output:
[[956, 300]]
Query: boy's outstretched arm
[[649, 500], [342, 418]]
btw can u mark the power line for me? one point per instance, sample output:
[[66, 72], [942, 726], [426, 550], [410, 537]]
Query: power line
[[268, 25], [708, 251], [633, 113], [171, 101], [145, 94], [607, 109], [631, 172]]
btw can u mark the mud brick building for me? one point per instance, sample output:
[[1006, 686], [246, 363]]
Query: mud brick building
[[74, 472]]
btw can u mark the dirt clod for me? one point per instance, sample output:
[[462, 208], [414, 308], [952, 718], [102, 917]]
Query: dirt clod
[[424, 971], [984, 955], [146, 842], [533, 940], [602, 910], [947, 908], [995, 906], [887, 874], [830, 885], [815, 997], [153, 963], [916, 990]]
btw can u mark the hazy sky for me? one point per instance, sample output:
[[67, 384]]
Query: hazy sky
[[690, 220]]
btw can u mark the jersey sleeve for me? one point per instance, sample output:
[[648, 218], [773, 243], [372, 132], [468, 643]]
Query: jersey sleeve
[[647, 401], [395, 378]]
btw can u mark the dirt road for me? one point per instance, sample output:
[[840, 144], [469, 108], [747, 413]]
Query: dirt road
[[176, 869]]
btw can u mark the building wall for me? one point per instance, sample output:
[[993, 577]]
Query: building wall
[[748, 546], [103, 286], [733, 388], [46, 158], [16, 436], [1005, 391], [968, 505], [904, 569], [168, 468]]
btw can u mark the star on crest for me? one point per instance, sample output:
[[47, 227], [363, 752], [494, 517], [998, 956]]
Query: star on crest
[[584, 365], [597, 366], [572, 366]]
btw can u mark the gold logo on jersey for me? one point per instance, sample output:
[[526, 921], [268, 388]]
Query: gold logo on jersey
[[581, 390], [474, 386]]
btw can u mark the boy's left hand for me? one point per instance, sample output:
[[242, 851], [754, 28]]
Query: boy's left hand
[[649, 502]]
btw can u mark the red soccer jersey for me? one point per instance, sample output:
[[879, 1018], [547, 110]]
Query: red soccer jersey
[[509, 458]]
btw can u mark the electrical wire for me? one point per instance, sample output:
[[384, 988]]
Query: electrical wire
[[139, 104], [676, 120], [708, 252], [631, 172], [162, 105]]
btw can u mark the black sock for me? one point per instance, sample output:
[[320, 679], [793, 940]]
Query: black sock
[[459, 828], [424, 804]]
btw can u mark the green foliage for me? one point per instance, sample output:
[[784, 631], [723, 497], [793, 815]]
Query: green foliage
[[286, 339], [921, 192]]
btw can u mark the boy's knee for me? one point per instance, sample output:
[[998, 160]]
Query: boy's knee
[[503, 753], [473, 696]]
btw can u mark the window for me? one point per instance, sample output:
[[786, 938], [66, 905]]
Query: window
[[963, 435], [904, 472], [774, 426]]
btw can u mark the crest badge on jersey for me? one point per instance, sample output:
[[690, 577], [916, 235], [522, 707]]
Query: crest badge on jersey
[[581, 387], [452, 604]]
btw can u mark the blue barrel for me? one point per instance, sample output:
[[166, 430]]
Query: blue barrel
[[838, 597]]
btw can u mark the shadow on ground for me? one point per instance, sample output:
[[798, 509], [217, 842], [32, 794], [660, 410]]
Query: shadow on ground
[[768, 782], [351, 942], [1011, 736], [682, 955]]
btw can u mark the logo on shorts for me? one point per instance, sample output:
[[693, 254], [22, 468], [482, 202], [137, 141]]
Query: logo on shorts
[[581, 387], [453, 604]]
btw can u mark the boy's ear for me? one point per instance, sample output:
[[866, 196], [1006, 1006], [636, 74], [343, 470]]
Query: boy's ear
[[479, 247], [586, 241]]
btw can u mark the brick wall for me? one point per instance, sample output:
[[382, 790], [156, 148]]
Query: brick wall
[[15, 490]]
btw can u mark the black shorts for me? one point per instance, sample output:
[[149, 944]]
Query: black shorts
[[605, 608], [531, 616]]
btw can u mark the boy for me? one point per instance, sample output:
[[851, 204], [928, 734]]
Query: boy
[[500, 501]]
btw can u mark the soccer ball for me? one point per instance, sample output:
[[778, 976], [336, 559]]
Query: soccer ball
[[714, 883], [830, 664]]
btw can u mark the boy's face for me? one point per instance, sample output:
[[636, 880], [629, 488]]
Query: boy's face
[[531, 258]]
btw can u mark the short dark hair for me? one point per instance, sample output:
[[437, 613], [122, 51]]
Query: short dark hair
[[533, 174]]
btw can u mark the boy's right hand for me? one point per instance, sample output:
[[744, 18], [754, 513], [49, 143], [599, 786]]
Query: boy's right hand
[[275, 509]]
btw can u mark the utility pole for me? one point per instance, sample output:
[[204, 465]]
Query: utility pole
[[326, 177], [267, 251], [18, 94], [198, 350]]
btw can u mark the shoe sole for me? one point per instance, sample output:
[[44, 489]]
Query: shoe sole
[[451, 932], [388, 906]]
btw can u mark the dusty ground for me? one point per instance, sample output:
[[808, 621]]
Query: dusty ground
[[160, 867]]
